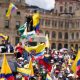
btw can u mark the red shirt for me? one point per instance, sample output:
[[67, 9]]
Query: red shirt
[[19, 49]]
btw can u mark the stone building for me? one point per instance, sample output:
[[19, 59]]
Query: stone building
[[61, 24]]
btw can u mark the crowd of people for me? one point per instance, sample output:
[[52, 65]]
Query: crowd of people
[[59, 64]]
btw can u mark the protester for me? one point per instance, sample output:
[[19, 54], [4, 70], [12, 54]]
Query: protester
[[19, 50]]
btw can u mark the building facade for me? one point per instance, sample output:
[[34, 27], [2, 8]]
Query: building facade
[[61, 24]]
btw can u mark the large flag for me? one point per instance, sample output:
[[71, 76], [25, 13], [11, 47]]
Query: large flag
[[6, 70], [74, 65], [11, 8], [47, 41], [22, 28], [48, 77], [24, 71], [28, 35], [45, 4], [39, 48]]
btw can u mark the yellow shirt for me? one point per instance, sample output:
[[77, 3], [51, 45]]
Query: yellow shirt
[[36, 19]]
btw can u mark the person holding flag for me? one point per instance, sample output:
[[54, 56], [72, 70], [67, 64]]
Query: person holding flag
[[36, 21]]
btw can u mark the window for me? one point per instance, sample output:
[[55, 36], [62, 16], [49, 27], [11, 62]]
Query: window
[[59, 46], [66, 24], [53, 23], [61, 9], [60, 35], [17, 24], [65, 11], [18, 13], [16, 40], [77, 24], [53, 46], [47, 23], [42, 21], [60, 24], [77, 35], [70, 9], [66, 35], [76, 46], [53, 34], [65, 45], [6, 23], [72, 24], [72, 35]]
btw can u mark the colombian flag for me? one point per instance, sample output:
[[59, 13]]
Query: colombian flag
[[74, 65], [11, 8], [39, 48], [5, 70]]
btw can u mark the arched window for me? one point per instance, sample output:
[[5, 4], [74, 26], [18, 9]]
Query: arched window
[[72, 35], [77, 35], [53, 46], [53, 34], [72, 45], [47, 33], [59, 46], [60, 35], [65, 45], [76, 46], [66, 35]]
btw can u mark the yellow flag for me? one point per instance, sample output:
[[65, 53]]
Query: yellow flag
[[5, 67], [24, 71], [27, 71], [10, 9], [39, 48], [75, 62], [36, 19], [3, 36], [31, 68], [47, 41]]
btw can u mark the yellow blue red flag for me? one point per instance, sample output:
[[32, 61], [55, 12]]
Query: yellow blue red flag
[[6, 70], [39, 48], [11, 8], [74, 65]]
